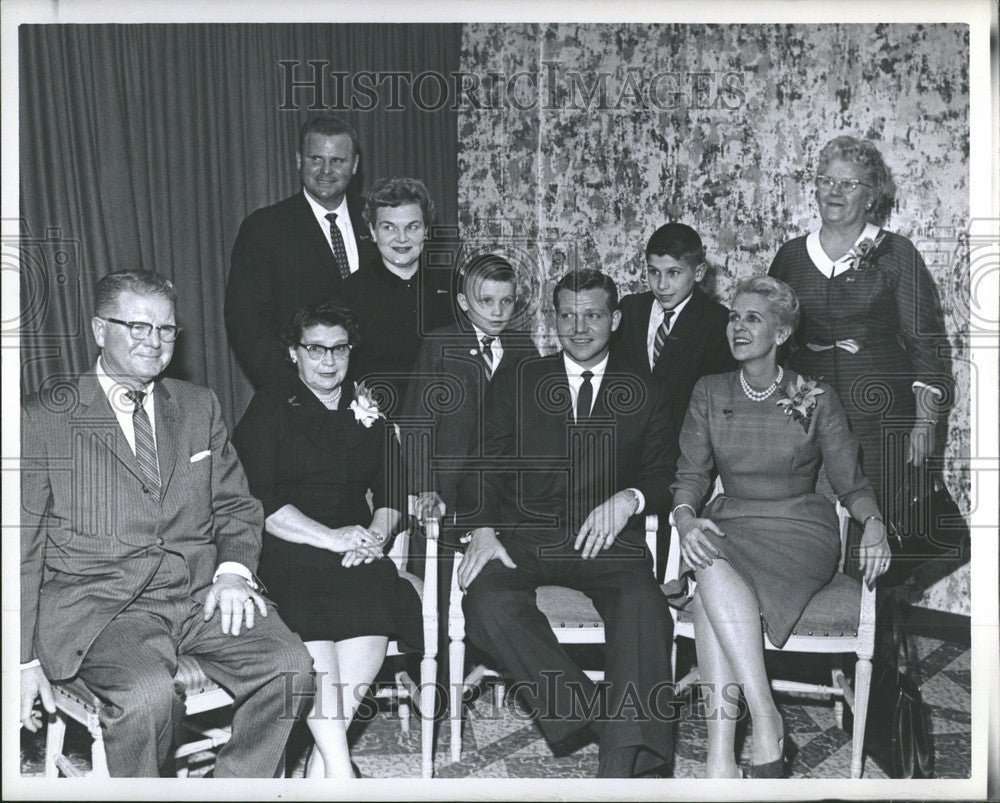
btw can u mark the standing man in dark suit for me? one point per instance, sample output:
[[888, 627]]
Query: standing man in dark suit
[[577, 447], [674, 331], [298, 251], [138, 543]]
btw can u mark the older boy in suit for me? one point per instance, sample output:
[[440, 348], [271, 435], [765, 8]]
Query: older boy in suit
[[674, 331]]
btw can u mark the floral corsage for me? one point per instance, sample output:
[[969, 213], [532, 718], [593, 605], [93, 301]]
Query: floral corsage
[[798, 398], [365, 409], [862, 255]]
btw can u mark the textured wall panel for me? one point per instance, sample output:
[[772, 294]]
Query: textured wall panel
[[569, 186]]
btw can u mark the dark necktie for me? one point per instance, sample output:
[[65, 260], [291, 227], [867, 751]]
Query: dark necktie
[[661, 335], [488, 355], [585, 398], [339, 252], [145, 445]]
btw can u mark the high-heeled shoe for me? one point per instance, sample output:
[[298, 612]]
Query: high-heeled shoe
[[781, 766]]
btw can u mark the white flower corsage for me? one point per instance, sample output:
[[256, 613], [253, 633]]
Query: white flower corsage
[[365, 409], [798, 398]]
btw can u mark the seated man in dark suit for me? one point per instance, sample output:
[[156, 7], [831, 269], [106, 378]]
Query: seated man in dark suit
[[576, 448], [138, 542], [674, 331], [297, 252]]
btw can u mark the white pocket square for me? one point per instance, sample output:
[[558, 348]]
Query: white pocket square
[[200, 455]]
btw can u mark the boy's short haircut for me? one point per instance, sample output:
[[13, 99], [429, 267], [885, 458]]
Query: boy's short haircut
[[678, 241], [486, 267]]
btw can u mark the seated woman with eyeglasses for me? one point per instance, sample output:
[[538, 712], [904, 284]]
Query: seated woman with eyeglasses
[[311, 453], [872, 325]]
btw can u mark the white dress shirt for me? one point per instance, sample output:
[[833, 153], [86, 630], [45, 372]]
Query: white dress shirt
[[496, 347], [656, 315], [343, 223], [122, 406]]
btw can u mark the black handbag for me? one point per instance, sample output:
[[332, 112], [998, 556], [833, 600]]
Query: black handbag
[[897, 732], [924, 524]]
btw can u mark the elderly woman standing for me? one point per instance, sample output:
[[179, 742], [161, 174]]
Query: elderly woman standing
[[764, 546], [872, 325], [311, 454]]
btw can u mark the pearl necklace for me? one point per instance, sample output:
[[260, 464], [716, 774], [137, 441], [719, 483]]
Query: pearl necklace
[[331, 398], [760, 395]]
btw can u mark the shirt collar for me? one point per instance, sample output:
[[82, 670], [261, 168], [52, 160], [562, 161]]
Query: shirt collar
[[115, 390], [659, 312], [320, 212], [575, 371], [830, 267]]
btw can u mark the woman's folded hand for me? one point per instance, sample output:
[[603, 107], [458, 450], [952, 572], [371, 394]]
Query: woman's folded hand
[[355, 538], [696, 547]]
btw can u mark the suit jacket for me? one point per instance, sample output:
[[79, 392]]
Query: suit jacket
[[93, 534], [280, 262], [542, 473], [444, 401], [696, 346]]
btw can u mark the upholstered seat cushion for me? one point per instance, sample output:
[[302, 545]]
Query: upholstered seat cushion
[[189, 680], [833, 611], [565, 607]]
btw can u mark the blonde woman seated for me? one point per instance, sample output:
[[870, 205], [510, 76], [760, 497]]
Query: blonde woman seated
[[760, 550], [310, 455]]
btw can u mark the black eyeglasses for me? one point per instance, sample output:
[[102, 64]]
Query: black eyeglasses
[[315, 351], [843, 184], [140, 330]]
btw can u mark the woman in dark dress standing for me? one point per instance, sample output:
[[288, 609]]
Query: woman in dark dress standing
[[872, 326], [311, 457]]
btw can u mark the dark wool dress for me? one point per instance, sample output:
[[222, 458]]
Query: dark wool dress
[[296, 451], [890, 308]]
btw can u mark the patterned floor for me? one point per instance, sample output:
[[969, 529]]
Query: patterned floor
[[500, 742]]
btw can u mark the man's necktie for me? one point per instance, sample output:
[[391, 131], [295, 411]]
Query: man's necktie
[[585, 398], [661, 335], [145, 445], [487, 352], [339, 252]]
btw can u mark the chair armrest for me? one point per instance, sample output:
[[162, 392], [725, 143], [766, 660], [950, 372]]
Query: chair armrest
[[652, 525]]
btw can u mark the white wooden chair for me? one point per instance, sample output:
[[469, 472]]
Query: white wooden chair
[[405, 690], [839, 619], [75, 701], [571, 614]]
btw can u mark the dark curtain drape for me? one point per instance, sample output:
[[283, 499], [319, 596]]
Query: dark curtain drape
[[146, 146]]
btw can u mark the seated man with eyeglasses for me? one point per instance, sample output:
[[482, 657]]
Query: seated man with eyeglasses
[[139, 540]]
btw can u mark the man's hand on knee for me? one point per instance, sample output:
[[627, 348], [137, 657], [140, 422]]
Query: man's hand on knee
[[604, 523], [483, 547], [35, 685], [236, 602]]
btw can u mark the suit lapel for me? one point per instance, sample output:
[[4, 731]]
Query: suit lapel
[[167, 441], [309, 228], [641, 330], [683, 330], [94, 406]]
